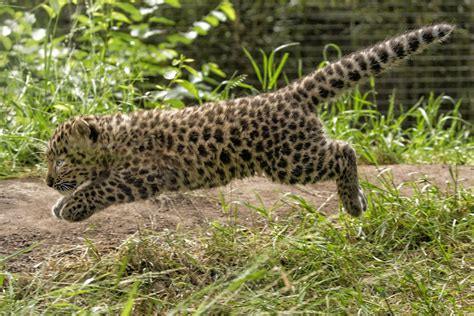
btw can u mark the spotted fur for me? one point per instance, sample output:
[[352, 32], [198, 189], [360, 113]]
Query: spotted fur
[[97, 161]]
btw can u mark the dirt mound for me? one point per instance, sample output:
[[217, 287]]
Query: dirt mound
[[26, 220]]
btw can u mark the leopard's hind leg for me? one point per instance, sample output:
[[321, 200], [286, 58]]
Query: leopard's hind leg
[[337, 160], [302, 153], [350, 193]]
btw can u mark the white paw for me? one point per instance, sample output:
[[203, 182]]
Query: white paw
[[56, 209], [362, 200]]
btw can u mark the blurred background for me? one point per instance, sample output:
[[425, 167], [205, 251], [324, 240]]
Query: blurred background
[[350, 24], [62, 58]]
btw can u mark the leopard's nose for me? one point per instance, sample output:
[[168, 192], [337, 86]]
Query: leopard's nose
[[49, 181]]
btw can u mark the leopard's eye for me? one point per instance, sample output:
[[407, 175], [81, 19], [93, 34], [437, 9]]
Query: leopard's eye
[[59, 163]]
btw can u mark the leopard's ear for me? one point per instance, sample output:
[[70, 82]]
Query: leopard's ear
[[85, 130]]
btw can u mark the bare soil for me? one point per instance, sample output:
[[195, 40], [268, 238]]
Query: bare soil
[[26, 220]]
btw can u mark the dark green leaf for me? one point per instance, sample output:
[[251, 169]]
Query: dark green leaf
[[130, 9], [161, 20], [117, 16]]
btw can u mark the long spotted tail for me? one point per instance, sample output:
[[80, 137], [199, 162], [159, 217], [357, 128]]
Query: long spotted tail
[[337, 77]]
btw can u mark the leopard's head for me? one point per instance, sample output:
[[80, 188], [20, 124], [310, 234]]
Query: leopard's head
[[74, 154]]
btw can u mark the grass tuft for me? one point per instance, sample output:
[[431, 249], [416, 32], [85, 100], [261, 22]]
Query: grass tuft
[[422, 133]]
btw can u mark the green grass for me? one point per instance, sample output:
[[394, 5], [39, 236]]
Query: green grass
[[422, 133], [407, 255]]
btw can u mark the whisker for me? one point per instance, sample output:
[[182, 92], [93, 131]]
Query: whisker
[[66, 185]]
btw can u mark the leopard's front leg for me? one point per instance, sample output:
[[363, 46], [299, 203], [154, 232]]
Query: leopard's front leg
[[74, 207], [91, 198], [120, 187]]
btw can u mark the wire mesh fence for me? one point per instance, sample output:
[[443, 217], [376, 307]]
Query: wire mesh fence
[[350, 24]]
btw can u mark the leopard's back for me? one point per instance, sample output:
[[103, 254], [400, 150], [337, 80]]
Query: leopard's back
[[241, 138]]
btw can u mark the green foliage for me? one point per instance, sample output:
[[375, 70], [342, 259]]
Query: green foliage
[[115, 57], [270, 72], [422, 133], [406, 255]]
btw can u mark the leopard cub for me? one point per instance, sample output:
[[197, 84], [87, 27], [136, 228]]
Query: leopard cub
[[97, 161]]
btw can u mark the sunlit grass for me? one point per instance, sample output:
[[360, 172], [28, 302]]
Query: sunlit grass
[[408, 254], [422, 133]]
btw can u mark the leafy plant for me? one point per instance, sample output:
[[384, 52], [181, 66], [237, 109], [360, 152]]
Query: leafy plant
[[115, 56], [270, 71]]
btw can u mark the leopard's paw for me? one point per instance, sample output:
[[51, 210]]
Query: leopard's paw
[[75, 211], [71, 210], [355, 203], [56, 209]]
